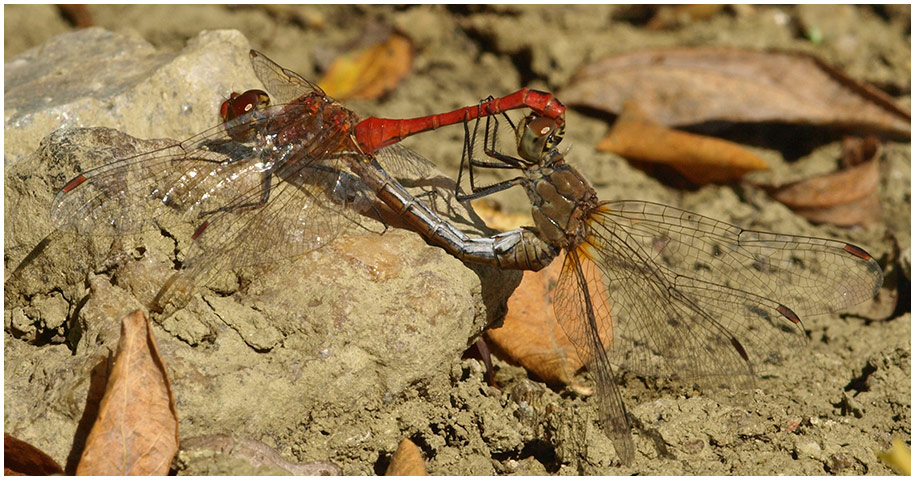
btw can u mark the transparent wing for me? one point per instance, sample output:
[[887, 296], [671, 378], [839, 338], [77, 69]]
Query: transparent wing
[[578, 312], [704, 300], [810, 275], [282, 84], [253, 201], [401, 162]]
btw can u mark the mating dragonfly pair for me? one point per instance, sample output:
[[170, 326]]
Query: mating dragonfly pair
[[682, 293]]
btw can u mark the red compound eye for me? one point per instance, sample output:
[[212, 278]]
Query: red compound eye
[[238, 105], [224, 108]]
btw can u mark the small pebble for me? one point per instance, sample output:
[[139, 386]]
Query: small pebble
[[840, 461], [809, 449], [693, 446]]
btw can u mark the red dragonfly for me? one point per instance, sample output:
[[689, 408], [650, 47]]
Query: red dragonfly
[[277, 181]]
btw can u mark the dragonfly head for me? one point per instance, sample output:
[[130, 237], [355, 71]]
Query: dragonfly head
[[537, 136], [240, 104], [234, 110]]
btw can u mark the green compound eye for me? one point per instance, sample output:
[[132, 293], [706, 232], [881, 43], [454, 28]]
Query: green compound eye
[[537, 135]]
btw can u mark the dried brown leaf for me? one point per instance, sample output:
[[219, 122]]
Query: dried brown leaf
[[686, 86], [492, 214], [667, 16], [369, 72], [21, 458], [407, 460], [699, 158], [98, 380], [530, 335], [78, 15], [857, 150], [847, 197], [136, 432]]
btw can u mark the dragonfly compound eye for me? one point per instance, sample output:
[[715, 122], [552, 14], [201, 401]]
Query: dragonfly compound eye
[[238, 105], [537, 136], [233, 112]]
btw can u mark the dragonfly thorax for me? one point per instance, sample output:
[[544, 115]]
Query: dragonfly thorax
[[559, 198]]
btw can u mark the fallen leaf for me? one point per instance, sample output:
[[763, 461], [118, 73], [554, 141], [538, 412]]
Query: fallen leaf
[[847, 197], [492, 214], [369, 72], [98, 380], [530, 335], [687, 86], [136, 432], [407, 460], [667, 16], [21, 458], [857, 150], [699, 158], [897, 457], [78, 15]]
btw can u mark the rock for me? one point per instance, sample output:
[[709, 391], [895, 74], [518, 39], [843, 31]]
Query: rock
[[345, 328]]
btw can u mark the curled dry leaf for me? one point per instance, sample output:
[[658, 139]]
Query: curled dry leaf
[[699, 158], [847, 197], [530, 335], [21, 458], [407, 460], [686, 86], [857, 150], [78, 15], [369, 72], [492, 214], [136, 432]]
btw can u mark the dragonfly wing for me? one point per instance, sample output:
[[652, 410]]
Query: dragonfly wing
[[126, 195], [401, 162], [283, 200], [578, 313], [283, 84], [809, 275], [252, 198], [700, 299], [271, 221], [186, 178]]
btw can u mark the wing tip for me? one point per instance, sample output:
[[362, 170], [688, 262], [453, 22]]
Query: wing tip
[[857, 251], [203, 226], [740, 350], [73, 183], [789, 314]]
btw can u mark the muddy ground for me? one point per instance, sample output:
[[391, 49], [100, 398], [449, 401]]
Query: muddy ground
[[368, 350]]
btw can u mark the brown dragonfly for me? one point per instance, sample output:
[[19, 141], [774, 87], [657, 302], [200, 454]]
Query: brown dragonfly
[[680, 293]]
